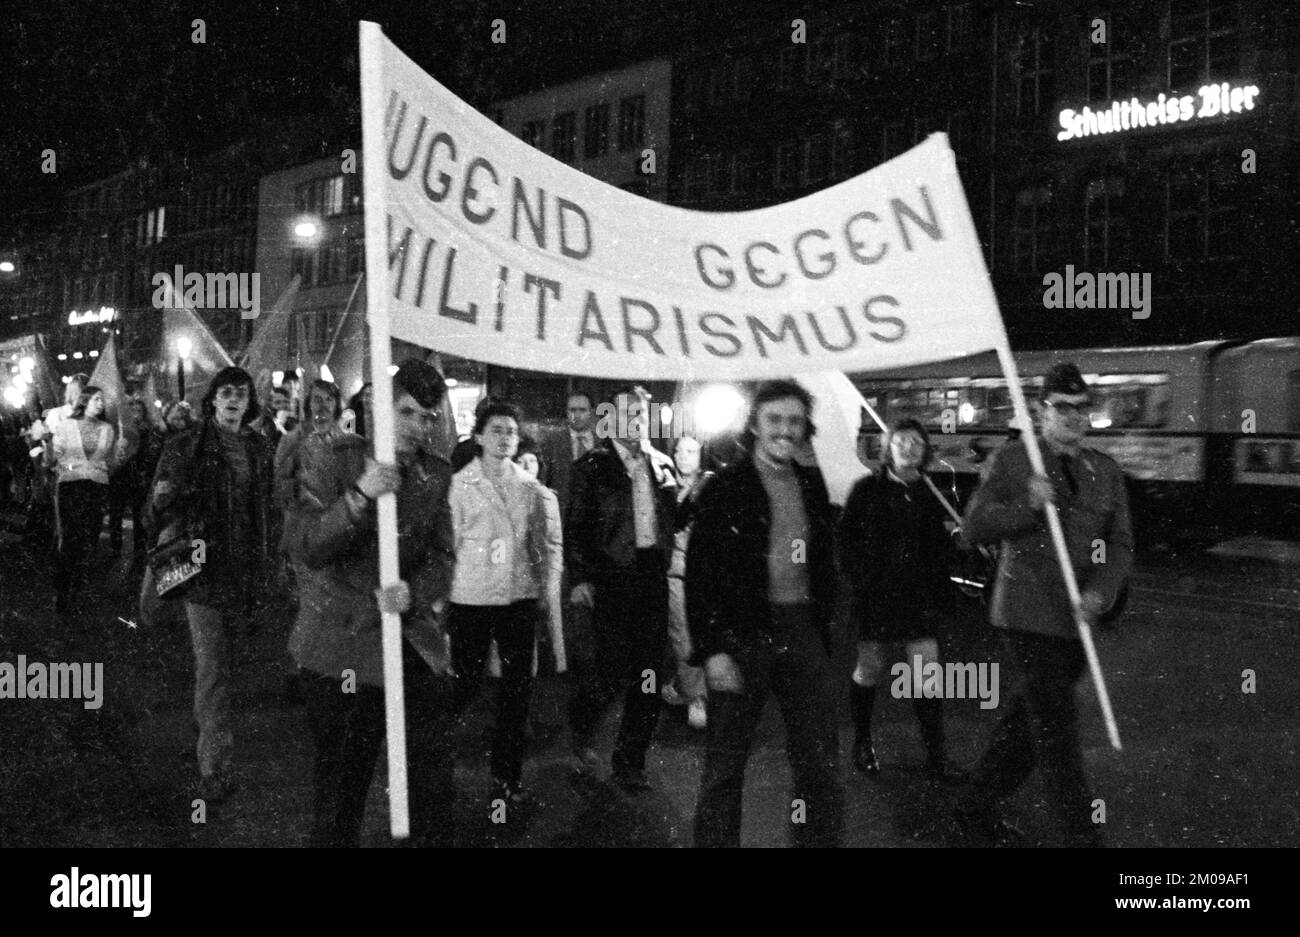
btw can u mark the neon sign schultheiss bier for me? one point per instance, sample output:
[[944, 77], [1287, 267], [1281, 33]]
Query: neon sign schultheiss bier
[[1215, 101]]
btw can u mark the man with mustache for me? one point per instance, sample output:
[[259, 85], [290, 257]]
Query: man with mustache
[[760, 593]]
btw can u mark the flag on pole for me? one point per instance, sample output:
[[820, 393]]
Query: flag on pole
[[268, 351], [108, 378], [206, 355], [45, 377]]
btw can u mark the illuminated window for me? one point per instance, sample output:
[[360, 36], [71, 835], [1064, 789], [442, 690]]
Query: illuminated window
[[595, 135], [1031, 229], [631, 122]]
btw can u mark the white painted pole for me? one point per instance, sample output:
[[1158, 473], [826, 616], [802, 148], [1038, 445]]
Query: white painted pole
[[372, 166]]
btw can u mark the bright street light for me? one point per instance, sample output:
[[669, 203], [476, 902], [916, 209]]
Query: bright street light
[[306, 230], [6, 266], [717, 408], [183, 346]]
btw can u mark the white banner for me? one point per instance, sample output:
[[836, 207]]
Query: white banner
[[499, 253]]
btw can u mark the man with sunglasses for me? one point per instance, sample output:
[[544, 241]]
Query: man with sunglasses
[[1039, 722]]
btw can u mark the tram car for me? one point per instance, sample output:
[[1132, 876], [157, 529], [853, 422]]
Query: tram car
[[1208, 434]]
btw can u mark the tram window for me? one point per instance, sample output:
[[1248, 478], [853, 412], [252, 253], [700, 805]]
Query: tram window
[[1293, 402], [1123, 401]]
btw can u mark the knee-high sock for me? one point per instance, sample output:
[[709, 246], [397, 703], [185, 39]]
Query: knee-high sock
[[929, 712], [862, 700]]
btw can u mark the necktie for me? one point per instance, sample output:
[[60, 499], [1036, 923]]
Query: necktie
[[1067, 469]]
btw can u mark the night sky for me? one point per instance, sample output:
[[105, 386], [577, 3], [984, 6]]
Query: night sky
[[105, 83]]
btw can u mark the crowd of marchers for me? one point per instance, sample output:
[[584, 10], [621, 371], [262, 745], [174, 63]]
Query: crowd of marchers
[[648, 577]]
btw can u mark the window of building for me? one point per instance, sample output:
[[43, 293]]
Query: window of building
[[959, 26], [843, 52], [894, 138], [1035, 63], [743, 78], [816, 158], [1203, 219], [332, 195], [631, 122], [928, 35], [841, 152], [895, 42], [303, 264], [719, 84], [787, 165], [1105, 222], [1031, 229], [960, 137], [742, 168], [595, 131], [564, 142], [1203, 42], [533, 133], [356, 254], [1110, 63]]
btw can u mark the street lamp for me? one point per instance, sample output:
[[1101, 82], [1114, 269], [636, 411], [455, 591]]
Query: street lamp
[[7, 266], [183, 349]]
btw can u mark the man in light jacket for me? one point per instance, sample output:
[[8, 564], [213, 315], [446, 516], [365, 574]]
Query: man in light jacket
[[509, 556], [330, 528]]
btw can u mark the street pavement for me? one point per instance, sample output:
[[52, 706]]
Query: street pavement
[[1203, 764]]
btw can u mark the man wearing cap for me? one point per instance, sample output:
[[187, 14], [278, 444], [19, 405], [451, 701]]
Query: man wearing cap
[[1039, 723], [330, 528]]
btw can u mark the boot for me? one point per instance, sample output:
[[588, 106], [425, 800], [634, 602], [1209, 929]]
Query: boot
[[929, 713], [862, 700]]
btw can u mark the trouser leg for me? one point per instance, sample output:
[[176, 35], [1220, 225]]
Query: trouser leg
[[429, 761], [729, 735], [514, 631], [645, 627], [211, 688], [347, 729]]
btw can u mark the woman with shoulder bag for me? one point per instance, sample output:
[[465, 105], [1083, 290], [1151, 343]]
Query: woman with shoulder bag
[[212, 487]]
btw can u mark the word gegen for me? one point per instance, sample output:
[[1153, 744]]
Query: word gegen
[[1216, 100]]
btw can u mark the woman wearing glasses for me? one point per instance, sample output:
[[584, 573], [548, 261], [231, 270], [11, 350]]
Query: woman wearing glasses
[[213, 483], [894, 553]]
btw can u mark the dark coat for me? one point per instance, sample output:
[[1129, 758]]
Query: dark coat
[[894, 553], [726, 559], [1030, 591], [599, 527], [203, 490], [339, 626]]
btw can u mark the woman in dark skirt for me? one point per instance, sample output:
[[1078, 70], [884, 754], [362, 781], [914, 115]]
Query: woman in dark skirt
[[894, 557]]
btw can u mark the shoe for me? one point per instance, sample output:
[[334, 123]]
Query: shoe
[[944, 771], [215, 788], [864, 759], [631, 780], [697, 714]]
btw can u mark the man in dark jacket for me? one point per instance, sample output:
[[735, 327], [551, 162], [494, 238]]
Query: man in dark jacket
[[331, 530], [618, 535], [760, 593], [1031, 604]]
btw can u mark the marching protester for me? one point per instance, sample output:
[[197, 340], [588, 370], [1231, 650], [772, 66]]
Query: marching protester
[[565, 447], [178, 416], [212, 488], [331, 529], [617, 540], [687, 687], [128, 484], [360, 404], [760, 587], [1039, 722], [83, 453], [894, 552], [509, 553]]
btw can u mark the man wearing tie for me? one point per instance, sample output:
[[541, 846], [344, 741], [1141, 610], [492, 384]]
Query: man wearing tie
[[617, 537], [570, 444]]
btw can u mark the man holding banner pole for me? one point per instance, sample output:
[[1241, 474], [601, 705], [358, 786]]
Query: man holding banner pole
[[1031, 602]]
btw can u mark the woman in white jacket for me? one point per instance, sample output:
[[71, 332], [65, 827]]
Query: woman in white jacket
[[509, 555]]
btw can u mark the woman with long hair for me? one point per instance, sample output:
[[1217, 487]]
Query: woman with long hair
[[894, 552], [213, 484], [82, 452]]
